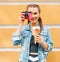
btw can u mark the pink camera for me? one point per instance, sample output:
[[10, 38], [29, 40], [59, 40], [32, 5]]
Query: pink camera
[[27, 15]]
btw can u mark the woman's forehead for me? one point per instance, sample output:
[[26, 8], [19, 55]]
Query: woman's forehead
[[34, 9]]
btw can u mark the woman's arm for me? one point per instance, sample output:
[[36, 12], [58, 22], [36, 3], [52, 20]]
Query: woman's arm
[[47, 45], [17, 36]]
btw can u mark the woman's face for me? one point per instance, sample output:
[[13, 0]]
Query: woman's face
[[35, 14]]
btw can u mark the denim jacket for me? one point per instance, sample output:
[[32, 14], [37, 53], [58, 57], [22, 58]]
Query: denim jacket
[[24, 39]]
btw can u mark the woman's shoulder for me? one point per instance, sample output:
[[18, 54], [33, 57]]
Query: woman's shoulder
[[25, 27], [45, 27], [44, 30]]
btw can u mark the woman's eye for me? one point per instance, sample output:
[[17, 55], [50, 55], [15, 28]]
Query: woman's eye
[[35, 13]]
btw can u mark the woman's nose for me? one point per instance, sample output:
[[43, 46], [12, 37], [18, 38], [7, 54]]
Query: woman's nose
[[32, 15]]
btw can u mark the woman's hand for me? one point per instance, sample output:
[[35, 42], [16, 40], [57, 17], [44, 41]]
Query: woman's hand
[[38, 39], [21, 24], [22, 20]]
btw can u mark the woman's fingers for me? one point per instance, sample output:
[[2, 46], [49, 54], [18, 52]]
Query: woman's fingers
[[38, 38]]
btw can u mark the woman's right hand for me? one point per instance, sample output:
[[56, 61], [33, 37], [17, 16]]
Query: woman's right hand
[[21, 20], [21, 24]]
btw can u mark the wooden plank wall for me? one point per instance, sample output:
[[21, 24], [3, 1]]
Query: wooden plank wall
[[9, 15]]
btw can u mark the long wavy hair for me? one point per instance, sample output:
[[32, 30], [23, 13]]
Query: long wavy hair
[[40, 20]]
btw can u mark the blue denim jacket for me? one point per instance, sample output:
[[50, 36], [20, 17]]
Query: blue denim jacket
[[24, 39]]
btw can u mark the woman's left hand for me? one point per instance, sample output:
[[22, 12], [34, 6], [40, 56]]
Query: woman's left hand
[[39, 39]]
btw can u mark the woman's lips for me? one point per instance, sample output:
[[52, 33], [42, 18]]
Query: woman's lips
[[33, 19]]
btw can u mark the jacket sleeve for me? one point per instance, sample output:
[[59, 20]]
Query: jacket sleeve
[[49, 41], [16, 39]]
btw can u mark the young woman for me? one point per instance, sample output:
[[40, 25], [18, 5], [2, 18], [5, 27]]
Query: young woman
[[35, 48]]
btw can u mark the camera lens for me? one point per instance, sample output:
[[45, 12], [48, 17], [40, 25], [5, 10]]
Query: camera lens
[[26, 15]]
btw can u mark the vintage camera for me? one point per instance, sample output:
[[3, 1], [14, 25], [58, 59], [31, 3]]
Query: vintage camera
[[27, 15]]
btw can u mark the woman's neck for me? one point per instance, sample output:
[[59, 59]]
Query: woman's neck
[[34, 24]]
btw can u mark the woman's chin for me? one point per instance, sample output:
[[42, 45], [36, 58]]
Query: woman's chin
[[33, 21]]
